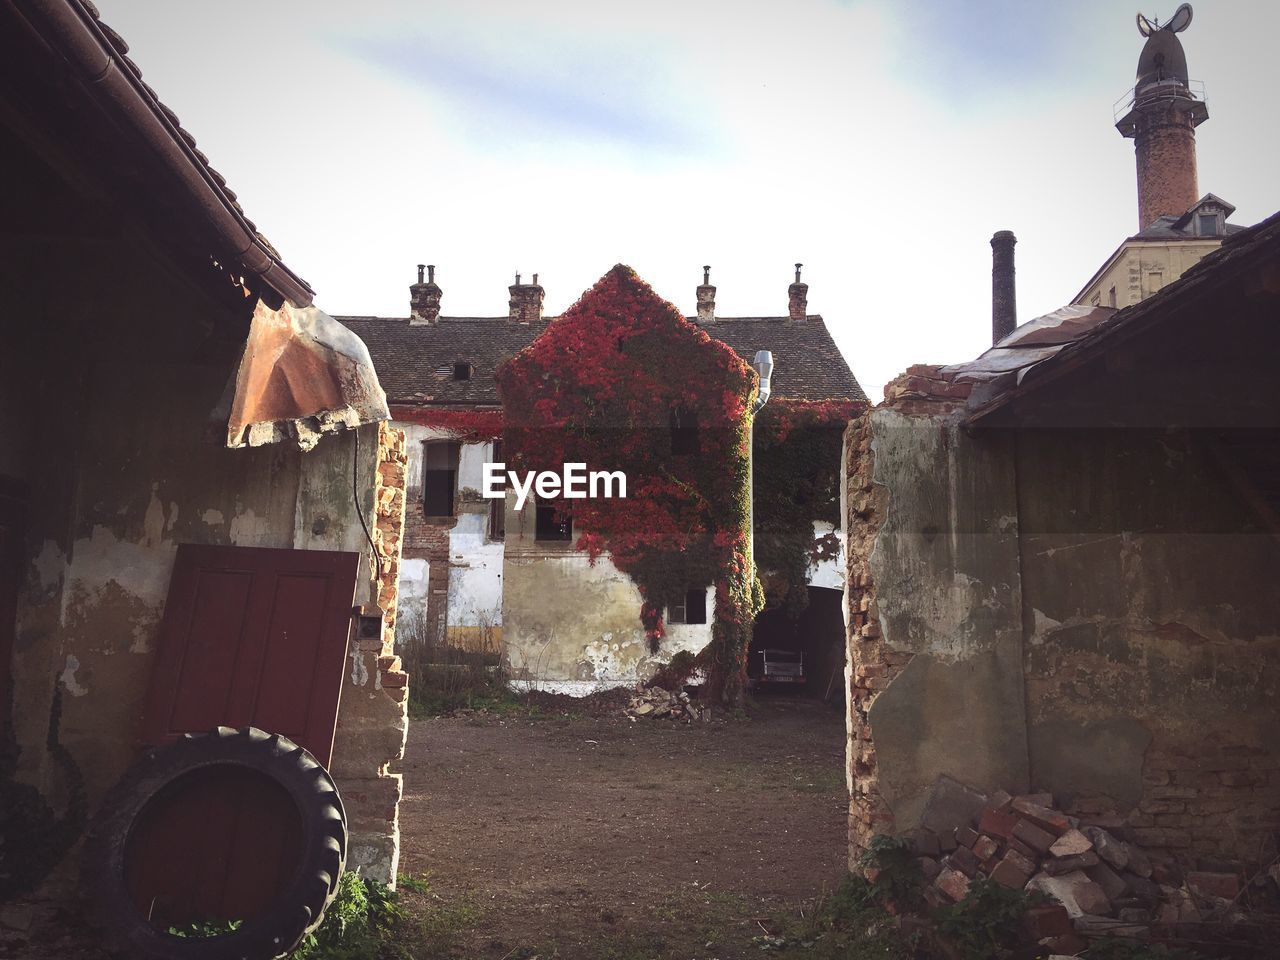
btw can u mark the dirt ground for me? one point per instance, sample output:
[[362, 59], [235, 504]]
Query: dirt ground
[[600, 837]]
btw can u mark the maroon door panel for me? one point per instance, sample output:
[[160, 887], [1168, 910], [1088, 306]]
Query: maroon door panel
[[252, 636]]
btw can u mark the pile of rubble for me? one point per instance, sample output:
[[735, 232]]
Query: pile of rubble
[[1106, 883], [654, 702]]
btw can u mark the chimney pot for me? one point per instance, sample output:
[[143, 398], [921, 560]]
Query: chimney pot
[[424, 298], [798, 298], [525, 304], [706, 298], [1004, 299]]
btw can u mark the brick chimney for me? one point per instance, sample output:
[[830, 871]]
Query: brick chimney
[[706, 298], [1004, 299], [424, 297], [798, 298], [526, 300], [1162, 120]]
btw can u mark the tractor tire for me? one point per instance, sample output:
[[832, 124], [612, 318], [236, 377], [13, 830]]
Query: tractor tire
[[297, 910]]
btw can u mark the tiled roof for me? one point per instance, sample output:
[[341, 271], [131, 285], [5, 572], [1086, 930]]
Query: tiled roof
[[415, 363]]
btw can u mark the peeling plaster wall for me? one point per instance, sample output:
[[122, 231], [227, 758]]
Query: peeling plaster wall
[[464, 590], [573, 627], [944, 563], [1153, 653], [1089, 612], [113, 431]]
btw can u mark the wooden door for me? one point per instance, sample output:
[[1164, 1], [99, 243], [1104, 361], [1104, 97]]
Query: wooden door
[[249, 637], [257, 637]]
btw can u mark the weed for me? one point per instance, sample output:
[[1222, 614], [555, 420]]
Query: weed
[[360, 924], [891, 866], [197, 929], [1117, 949], [986, 923], [417, 884]]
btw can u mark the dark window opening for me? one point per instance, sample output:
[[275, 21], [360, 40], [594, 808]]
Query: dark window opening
[[498, 507], [692, 609], [462, 371], [1208, 225], [684, 432], [550, 526], [439, 477]]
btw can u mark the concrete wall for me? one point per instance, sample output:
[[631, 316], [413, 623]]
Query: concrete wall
[[1085, 612], [113, 431], [570, 626]]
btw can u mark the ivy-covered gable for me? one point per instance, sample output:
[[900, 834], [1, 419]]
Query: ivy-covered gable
[[622, 381]]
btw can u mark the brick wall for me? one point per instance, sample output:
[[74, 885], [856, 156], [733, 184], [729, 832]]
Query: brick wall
[[1165, 146]]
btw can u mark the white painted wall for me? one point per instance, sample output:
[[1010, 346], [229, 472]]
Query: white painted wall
[[827, 573]]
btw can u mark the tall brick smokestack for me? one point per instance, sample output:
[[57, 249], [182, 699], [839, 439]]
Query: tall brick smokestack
[[798, 298], [526, 300], [424, 297], [706, 298], [1004, 297], [1162, 120]]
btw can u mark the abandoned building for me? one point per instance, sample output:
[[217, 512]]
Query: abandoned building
[[190, 456], [474, 573], [1061, 553]]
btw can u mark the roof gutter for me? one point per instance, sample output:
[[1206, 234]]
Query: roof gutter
[[117, 90]]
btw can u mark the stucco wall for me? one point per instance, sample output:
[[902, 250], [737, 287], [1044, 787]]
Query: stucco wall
[[114, 434], [1153, 648], [1085, 612], [946, 572], [571, 626]]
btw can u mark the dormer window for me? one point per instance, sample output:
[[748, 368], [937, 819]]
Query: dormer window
[[462, 371], [1207, 225]]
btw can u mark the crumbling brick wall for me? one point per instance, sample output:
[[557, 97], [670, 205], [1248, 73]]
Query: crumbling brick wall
[[1112, 586], [872, 663]]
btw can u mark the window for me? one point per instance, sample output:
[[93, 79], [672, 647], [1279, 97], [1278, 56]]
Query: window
[[439, 477], [1155, 280], [684, 432], [549, 526], [1111, 297], [462, 371], [692, 609], [1208, 224], [497, 508]]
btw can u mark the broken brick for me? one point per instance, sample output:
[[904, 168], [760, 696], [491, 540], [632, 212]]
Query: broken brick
[[963, 859], [953, 883], [1013, 871], [1047, 920], [997, 823], [1080, 861], [1033, 836], [966, 836], [1224, 885], [1043, 817], [1071, 843], [984, 848]]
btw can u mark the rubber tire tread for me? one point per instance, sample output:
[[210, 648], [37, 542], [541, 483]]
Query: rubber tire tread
[[298, 911]]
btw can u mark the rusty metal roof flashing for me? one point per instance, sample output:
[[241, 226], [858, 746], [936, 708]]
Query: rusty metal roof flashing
[[302, 375], [1042, 350]]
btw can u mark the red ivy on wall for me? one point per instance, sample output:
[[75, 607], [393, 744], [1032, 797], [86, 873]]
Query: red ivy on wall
[[601, 386], [466, 426]]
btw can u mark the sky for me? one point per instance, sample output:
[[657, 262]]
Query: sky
[[879, 143]]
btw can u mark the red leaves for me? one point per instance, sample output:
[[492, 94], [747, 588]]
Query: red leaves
[[600, 386]]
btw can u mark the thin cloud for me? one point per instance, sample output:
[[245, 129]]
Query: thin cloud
[[534, 92]]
